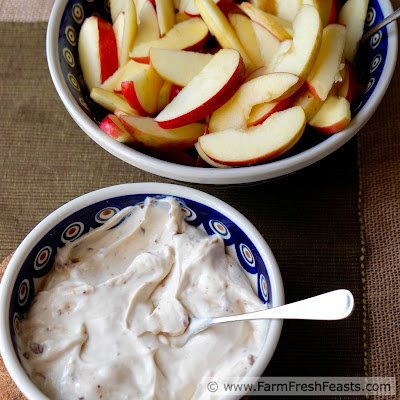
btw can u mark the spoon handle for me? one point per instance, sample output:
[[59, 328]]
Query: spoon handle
[[330, 306], [390, 18]]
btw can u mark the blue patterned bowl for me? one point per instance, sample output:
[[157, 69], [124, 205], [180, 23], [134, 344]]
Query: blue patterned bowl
[[35, 256], [375, 65]]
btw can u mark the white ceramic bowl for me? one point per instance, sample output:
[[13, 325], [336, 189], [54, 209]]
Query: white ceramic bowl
[[34, 258], [375, 66]]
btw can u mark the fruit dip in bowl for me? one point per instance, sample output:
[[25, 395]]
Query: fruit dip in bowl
[[220, 92], [96, 300]]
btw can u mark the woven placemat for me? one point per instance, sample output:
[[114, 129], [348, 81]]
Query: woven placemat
[[310, 219]]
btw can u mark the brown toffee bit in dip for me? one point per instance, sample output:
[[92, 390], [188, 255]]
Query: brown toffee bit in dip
[[106, 320]]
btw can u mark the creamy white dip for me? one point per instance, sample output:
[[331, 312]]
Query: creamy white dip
[[105, 321]]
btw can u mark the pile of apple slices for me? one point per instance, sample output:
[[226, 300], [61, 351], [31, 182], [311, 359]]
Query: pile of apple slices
[[238, 81]]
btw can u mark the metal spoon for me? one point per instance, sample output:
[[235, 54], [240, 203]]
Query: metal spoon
[[330, 306], [390, 18]]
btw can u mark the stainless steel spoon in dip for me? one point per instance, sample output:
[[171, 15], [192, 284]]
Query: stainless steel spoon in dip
[[390, 18], [329, 306]]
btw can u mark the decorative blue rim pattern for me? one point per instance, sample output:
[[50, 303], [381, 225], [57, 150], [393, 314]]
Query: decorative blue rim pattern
[[40, 260]]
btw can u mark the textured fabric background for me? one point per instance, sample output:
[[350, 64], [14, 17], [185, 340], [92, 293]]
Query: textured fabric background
[[311, 219]]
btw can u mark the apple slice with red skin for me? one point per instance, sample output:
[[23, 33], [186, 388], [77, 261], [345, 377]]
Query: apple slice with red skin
[[327, 10], [187, 35], [125, 73], [207, 160], [147, 133], [111, 101], [98, 54], [129, 29], [115, 128], [260, 112], [222, 30], [143, 91], [305, 99], [351, 87], [167, 93], [326, 67], [240, 147], [266, 88], [178, 66], [333, 116], [217, 82], [148, 28]]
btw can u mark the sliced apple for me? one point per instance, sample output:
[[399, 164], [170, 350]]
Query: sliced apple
[[115, 128], [97, 48], [111, 101], [220, 27], [130, 26], [143, 91], [310, 104], [148, 28], [326, 67], [351, 86], [178, 66], [118, 27], [191, 9], [353, 14], [204, 157], [260, 112], [125, 73], [268, 21], [256, 73], [180, 17], [275, 136], [327, 10], [267, 43], [167, 93], [333, 116], [303, 51], [245, 32], [187, 35], [235, 113], [147, 132], [210, 89], [264, 5], [165, 15]]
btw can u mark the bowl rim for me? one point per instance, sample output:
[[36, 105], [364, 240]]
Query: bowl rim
[[8, 281], [216, 176]]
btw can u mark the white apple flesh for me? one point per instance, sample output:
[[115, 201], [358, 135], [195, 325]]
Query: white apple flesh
[[333, 116], [235, 113], [239, 147], [326, 67], [187, 35], [352, 15], [178, 66], [210, 89], [303, 51], [146, 131]]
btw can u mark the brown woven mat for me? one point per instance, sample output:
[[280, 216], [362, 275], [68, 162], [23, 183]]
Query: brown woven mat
[[310, 219]]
